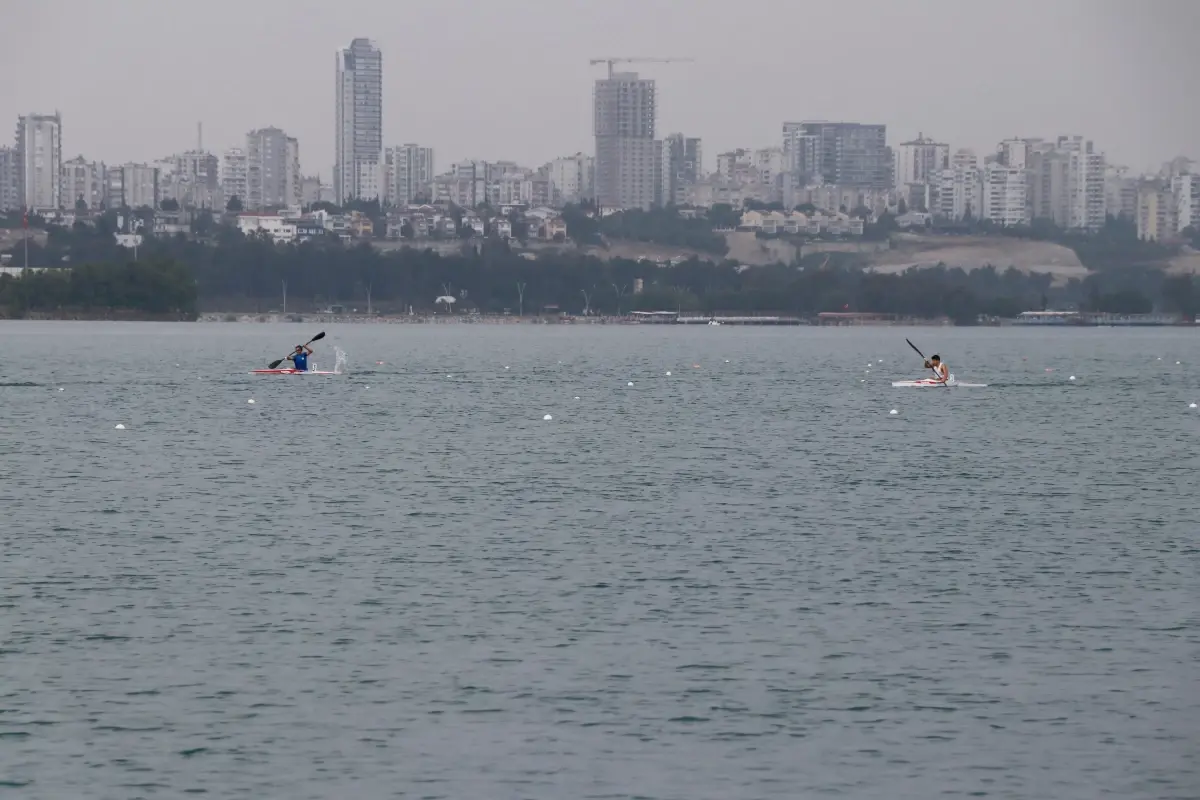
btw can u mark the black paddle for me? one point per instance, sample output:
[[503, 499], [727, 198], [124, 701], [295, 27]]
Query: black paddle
[[321, 335], [923, 358]]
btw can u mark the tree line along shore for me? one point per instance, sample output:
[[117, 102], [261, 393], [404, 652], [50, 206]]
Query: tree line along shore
[[180, 277]]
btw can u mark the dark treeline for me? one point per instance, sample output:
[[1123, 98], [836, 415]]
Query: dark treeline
[[233, 272], [151, 288]]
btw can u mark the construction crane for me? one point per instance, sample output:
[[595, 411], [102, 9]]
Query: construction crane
[[611, 61]]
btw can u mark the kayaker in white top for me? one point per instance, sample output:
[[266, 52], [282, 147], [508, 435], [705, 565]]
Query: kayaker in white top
[[939, 368]]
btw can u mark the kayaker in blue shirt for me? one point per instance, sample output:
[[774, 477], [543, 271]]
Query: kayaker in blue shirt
[[299, 358]]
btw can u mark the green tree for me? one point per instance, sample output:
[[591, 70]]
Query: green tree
[[234, 206]]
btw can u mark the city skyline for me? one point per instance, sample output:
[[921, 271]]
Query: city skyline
[[1134, 104]]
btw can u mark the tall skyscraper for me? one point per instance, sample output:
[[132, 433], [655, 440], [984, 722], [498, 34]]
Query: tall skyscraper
[[846, 154], [627, 156], [681, 168], [358, 166], [272, 169], [39, 145], [408, 171]]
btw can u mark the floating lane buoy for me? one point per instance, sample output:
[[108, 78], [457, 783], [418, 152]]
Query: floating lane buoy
[[547, 418], [893, 411], [250, 401], [120, 427]]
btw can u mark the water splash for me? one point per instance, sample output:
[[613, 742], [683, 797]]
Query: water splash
[[339, 360]]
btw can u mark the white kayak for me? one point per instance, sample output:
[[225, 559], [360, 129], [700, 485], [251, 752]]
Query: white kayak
[[930, 382], [288, 371]]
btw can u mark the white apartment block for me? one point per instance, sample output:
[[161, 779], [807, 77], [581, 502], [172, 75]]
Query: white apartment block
[[921, 161], [960, 188], [1015, 153], [1085, 184], [272, 169], [408, 172], [572, 179], [1120, 193], [39, 145], [1157, 217], [1185, 189], [192, 179], [10, 185], [234, 176], [1006, 195], [85, 181], [358, 163], [132, 186]]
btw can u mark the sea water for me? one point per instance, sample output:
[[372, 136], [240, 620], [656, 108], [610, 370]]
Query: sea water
[[743, 580]]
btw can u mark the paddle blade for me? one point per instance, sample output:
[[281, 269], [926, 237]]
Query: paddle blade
[[320, 335], [914, 347], [274, 364]]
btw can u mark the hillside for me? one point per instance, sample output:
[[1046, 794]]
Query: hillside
[[974, 252]]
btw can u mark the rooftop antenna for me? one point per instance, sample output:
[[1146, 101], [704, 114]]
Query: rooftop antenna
[[200, 136]]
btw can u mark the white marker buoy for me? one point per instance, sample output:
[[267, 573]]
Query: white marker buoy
[[893, 411], [61, 389], [668, 373], [506, 367], [547, 418], [629, 384], [576, 397], [250, 401], [120, 427], [1071, 378], [1193, 405], [1177, 363]]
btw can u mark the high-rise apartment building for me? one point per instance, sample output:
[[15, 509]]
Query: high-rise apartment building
[[1186, 191], [1157, 216], [407, 173], [192, 178], [272, 169], [1006, 195], [848, 154], [1120, 193], [132, 186], [627, 154], [1085, 184], [10, 185], [234, 179], [572, 179], [960, 188], [358, 164], [39, 148], [682, 165], [920, 161], [84, 183]]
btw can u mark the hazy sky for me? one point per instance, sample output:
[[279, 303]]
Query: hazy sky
[[491, 79]]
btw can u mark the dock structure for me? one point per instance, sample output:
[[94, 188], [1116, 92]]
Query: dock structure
[[681, 318]]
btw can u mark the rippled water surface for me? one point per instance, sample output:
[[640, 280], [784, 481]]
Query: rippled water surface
[[743, 580]]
